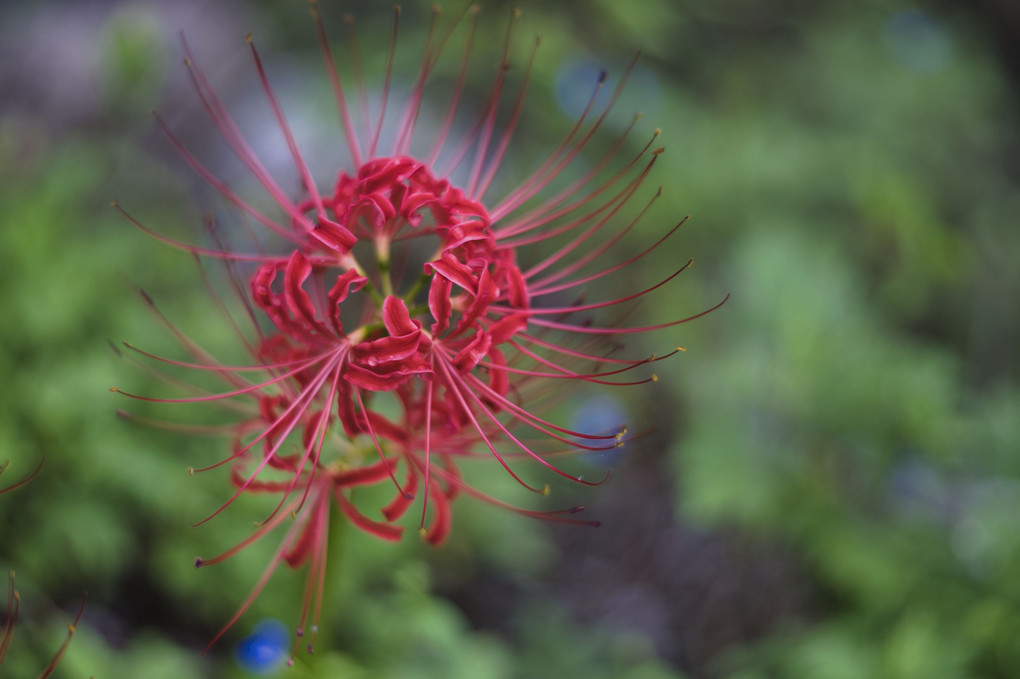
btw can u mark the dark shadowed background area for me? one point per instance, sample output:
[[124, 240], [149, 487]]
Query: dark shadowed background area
[[830, 482]]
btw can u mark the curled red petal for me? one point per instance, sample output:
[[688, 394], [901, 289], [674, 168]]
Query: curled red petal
[[452, 270], [375, 209], [385, 428], [349, 281], [468, 357], [397, 319], [508, 326], [361, 476], [298, 300], [385, 531], [387, 349], [440, 305], [442, 520], [518, 288], [485, 293], [334, 236], [402, 500], [374, 380]]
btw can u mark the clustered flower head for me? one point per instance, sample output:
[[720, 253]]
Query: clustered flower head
[[397, 329]]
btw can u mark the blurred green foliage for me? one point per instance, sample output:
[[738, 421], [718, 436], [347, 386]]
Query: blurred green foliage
[[854, 405]]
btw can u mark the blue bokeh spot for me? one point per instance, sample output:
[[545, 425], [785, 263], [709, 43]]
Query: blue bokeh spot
[[264, 649], [601, 415], [918, 41], [577, 78]]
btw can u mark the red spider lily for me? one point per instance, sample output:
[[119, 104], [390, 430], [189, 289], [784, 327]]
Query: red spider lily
[[22, 482], [396, 286], [10, 619], [10, 616]]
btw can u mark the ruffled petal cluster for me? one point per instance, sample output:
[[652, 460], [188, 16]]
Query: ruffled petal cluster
[[396, 328]]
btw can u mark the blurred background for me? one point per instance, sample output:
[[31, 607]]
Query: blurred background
[[831, 487]]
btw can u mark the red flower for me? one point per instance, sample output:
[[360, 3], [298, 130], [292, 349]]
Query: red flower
[[21, 482], [10, 614], [397, 281], [10, 619]]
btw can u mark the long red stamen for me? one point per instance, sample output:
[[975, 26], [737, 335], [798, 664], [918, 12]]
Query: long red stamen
[[375, 439], [386, 83], [591, 330], [511, 126], [458, 90], [300, 404], [617, 201], [550, 210], [452, 382], [22, 482], [187, 246], [288, 541], [563, 373], [540, 179], [492, 109], [232, 135], [299, 162], [543, 286], [315, 444], [338, 90], [253, 388]]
